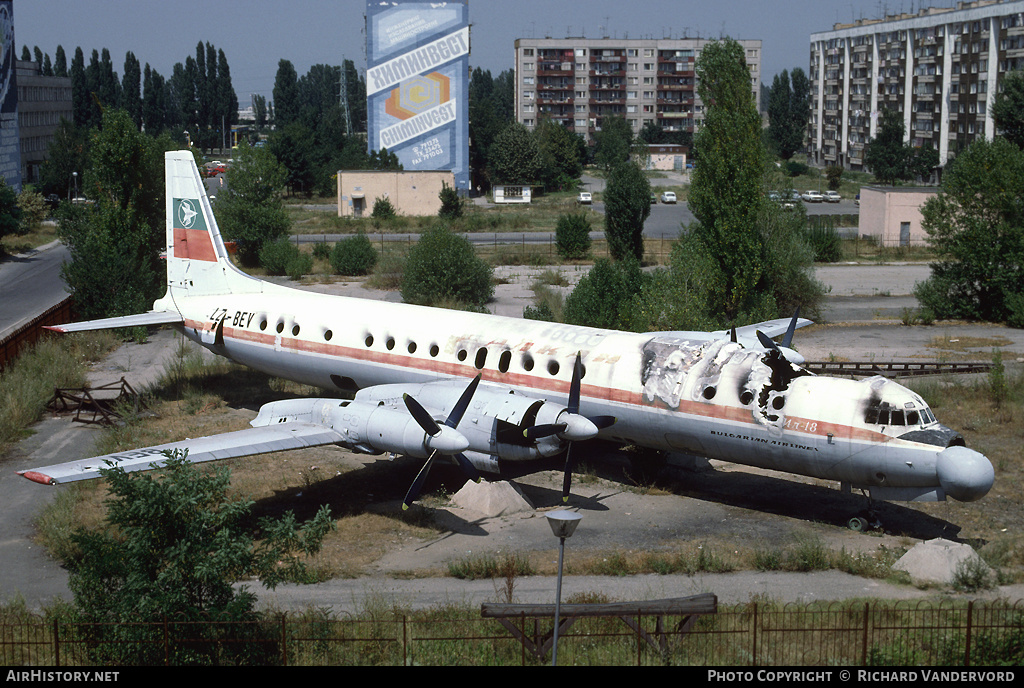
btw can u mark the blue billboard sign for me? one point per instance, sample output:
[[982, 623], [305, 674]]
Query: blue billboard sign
[[10, 147], [417, 84]]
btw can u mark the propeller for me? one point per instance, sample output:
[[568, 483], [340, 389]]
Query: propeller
[[444, 439], [576, 427], [787, 340]]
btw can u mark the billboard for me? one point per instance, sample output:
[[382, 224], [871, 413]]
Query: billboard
[[417, 84], [10, 148]]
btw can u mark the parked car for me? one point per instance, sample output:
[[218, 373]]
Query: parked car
[[812, 197], [668, 197], [856, 199], [832, 197], [783, 200], [654, 198], [585, 198]]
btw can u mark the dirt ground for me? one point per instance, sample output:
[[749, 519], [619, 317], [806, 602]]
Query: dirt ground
[[722, 506]]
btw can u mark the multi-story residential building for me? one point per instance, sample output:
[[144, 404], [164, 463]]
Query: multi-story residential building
[[941, 68], [43, 101], [580, 81]]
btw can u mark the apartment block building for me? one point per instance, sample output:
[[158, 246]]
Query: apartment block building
[[580, 81], [941, 68]]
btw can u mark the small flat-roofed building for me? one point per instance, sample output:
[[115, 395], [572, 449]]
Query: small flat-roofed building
[[411, 193], [893, 214]]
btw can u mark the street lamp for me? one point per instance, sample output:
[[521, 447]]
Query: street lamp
[[74, 175], [563, 524]]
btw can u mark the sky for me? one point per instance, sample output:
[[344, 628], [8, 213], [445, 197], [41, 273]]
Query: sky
[[256, 34]]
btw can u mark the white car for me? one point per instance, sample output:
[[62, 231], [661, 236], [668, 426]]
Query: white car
[[832, 197], [585, 198], [668, 197], [812, 197]]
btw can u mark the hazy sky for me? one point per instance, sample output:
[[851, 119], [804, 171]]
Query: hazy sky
[[256, 34]]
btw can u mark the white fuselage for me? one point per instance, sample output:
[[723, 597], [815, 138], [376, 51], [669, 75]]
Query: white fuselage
[[712, 399]]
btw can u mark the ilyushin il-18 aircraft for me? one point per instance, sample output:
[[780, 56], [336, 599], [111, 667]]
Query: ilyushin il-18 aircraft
[[488, 392]]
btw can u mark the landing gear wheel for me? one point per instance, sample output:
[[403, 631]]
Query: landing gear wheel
[[858, 524]]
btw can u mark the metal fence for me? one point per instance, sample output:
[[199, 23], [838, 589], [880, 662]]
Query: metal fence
[[918, 634]]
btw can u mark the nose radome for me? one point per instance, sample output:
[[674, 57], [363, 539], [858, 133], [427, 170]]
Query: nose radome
[[964, 474]]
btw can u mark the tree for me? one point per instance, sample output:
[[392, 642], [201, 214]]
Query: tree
[[561, 165], [131, 89], [613, 143], [286, 94], [572, 236], [252, 213], [514, 157], [788, 107], [174, 545], [10, 211], [115, 243], [886, 155], [744, 259], [451, 204], [1008, 110], [627, 204], [605, 295], [976, 227], [443, 269]]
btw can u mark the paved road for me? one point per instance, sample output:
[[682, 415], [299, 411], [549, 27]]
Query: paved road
[[29, 284]]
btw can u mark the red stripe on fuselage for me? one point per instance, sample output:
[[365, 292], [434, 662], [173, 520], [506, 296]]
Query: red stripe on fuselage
[[193, 244], [533, 382]]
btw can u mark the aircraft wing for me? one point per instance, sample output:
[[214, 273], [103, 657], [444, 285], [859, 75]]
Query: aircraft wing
[[772, 328], [151, 318], [258, 440]]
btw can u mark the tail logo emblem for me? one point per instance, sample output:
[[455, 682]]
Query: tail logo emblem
[[186, 214]]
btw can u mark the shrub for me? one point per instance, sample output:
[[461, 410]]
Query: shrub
[[572, 236], [383, 209], [825, 242], [451, 204], [354, 255], [282, 257], [442, 267]]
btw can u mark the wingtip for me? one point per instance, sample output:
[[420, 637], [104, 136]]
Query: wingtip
[[38, 477], [55, 328]]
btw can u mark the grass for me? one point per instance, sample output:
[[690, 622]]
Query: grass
[[13, 244]]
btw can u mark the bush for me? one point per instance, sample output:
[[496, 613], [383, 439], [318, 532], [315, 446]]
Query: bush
[[282, 257], [354, 255], [442, 268], [825, 242], [383, 209], [572, 236], [796, 169], [451, 204]]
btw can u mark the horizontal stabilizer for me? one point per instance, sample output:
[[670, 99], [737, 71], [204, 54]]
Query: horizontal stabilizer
[[261, 440], [140, 320]]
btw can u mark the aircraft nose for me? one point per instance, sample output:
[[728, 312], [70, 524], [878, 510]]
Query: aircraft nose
[[964, 474]]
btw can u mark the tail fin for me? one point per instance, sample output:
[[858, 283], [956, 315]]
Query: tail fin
[[197, 261]]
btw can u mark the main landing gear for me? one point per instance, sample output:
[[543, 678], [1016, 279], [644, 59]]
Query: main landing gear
[[865, 521]]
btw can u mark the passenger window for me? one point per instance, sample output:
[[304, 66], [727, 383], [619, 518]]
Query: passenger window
[[481, 358], [412, 347], [462, 354], [327, 335], [527, 362], [369, 340], [504, 360], [391, 343], [553, 367], [434, 350], [295, 331]]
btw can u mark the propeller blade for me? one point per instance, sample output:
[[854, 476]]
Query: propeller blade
[[417, 484], [574, 386], [425, 420], [462, 404], [732, 335], [567, 475], [767, 342], [467, 467], [787, 340], [537, 432]]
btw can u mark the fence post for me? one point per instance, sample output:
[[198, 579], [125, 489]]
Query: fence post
[[967, 650], [864, 642], [56, 644], [284, 641], [753, 654]]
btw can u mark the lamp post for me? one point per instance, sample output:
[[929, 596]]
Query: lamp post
[[563, 524]]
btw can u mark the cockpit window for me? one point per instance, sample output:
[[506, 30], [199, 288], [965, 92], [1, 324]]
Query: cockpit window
[[883, 413]]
